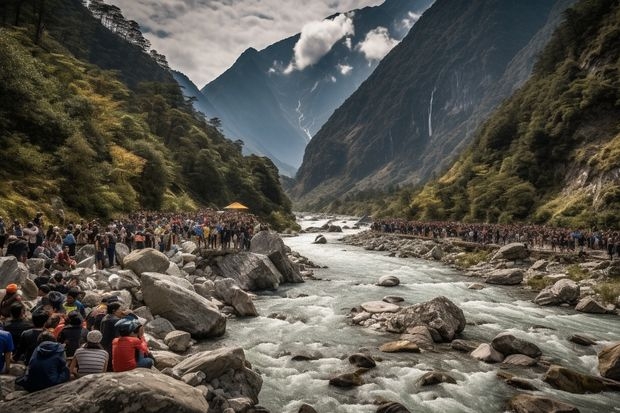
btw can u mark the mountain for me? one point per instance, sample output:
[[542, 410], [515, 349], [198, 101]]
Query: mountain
[[423, 102], [80, 140], [276, 108], [191, 91], [550, 153]]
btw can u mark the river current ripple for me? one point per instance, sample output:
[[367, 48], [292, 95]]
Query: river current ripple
[[316, 324]]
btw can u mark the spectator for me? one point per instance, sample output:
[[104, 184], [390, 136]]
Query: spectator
[[130, 350], [64, 261], [73, 334], [73, 304], [108, 326], [28, 340], [47, 367], [11, 297], [18, 323], [6, 351], [91, 358]]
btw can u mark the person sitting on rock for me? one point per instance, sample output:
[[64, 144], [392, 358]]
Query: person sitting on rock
[[6, 350], [57, 282], [11, 297], [56, 302], [129, 351], [91, 358], [29, 339], [108, 327], [93, 320], [47, 366], [73, 304], [64, 261], [73, 334], [18, 323]]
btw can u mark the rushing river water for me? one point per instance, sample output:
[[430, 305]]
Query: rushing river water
[[316, 324]]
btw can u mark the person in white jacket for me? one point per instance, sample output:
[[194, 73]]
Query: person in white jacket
[[30, 233]]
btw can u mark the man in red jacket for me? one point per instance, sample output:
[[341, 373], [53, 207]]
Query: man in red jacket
[[130, 349]]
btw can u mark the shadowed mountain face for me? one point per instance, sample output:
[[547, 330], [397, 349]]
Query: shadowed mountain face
[[276, 111], [426, 98]]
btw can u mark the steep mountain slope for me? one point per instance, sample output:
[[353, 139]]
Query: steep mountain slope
[[76, 141], [191, 91], [275, 111], [551, 153], [425, 99]]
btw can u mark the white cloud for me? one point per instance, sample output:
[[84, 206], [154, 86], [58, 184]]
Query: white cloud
[[408, 22], [347, 42], [205, 37], [344, 69], [377, 44], [316, 40], [333, 79]]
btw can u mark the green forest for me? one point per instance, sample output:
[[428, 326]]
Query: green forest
[[92, 124], [550, 154]]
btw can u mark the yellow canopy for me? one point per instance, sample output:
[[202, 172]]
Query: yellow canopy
[[236, 205]]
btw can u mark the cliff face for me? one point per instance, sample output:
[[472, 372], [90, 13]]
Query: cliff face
[[422, 104], [276, 112]]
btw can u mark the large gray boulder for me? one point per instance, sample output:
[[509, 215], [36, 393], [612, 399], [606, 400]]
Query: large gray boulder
[[564, 291], [590, 305], [226, 369], [12, 271], [187, 310], [529, 403], [146, 260], [485, 352], [137, 390], [35, 265], [86, 251], [124, 279], [120, 252], [509, 276], [251, 271], [243, 304], [508, 344], [512, 252], [271, 245], [438, 314], [609, 362]]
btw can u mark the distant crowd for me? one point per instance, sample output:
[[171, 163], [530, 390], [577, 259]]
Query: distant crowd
[[57, 339], [535, 236]]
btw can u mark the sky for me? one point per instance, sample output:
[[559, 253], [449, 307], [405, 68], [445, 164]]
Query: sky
[[203, 38]]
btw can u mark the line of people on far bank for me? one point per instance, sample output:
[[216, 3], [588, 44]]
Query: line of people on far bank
[[536, 236], [145, 229], [59, 340]]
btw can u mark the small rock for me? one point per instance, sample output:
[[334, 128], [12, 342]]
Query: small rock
[[582, 340], [400, 346], [362, 360], [488, 354], [435, 377]]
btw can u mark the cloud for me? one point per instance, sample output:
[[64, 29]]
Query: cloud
[[344, 69], [408, 22], [205, 37], [377, 44], [317, 38]]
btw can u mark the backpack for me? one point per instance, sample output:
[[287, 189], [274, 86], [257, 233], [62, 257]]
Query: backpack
[[111, 238]]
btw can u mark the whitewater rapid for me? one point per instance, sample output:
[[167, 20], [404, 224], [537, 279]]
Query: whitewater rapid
[[315, 325]]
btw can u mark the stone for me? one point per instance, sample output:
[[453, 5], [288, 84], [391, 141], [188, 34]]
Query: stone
[[485, 352], [35, 265], [164, 359], [435, 377], [178, 341], [253, 272], [120, 252], [306, 408], [573, 381], [512, 252], [362, 360], [146, 260], [540, 265], [400, 346], [135, 390], [520, 360], [582, 340], [86, 251], [614, 269], [419, 335], [223, 289], [508, 344], [159, 327], [320, 239], [10, 271], [392, 407], [190, 267], [463, 346], [271, 244], [243, 304], [347, 380], [124, 279], [186, 310], [436, 253], [475, 286], [392, 299], [439, 314], [510, 276], [189, 247], [379, 307], [563, 291], [388, 281], [529, 403], [91, 298], [516, 382], [589, 305], [609, 362], [193, 379], [144, 312]]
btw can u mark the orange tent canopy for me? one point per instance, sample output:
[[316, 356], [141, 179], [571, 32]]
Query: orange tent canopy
[[236, 205]]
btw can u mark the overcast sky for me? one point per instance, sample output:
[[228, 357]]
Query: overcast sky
[[203, 38]]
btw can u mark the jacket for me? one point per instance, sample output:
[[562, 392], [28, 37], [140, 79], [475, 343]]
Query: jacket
[[47, 367]]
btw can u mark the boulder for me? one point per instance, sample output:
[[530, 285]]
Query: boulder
[[186, 309], [86, 262], [190, 267], [614, 269], [589, 305], [563, 291], [362, 360], [178, 341], [573, 381], [132, 391], [306, 408], [393, 299], [439, 314], [463, 346], [271, 245], [510, 276], [10, 271], [124, 279], [379, 307], [392, 407], [436, 253], [320, 239], [435, 377], [251, 271], [35, 265], [165, 359], [174, 270], [528, 403], [582, 340], [120, 252], [485, 352], [146, 260], [540, 265], [86, 251], [144, 312], [520, 360], [347, 380], [508, 344], [225, 368], [419, 335], [400, 346], [189, 247], [388, 281], [609, 362], [512, 252], [243, 304], [159, 327]]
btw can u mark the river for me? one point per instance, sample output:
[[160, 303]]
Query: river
[[316, 324]]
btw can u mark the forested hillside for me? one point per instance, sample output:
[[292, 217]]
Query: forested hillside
[[551, 153], [94, 142]]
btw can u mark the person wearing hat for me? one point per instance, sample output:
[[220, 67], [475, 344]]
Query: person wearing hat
[[91, 358], [130, 349], [11, 296]]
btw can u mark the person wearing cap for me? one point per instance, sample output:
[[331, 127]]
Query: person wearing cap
[[130, 349], [91, 358], [11, 297]]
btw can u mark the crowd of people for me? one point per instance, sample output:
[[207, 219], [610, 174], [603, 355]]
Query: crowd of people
[[535, 236], [57, 339]]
